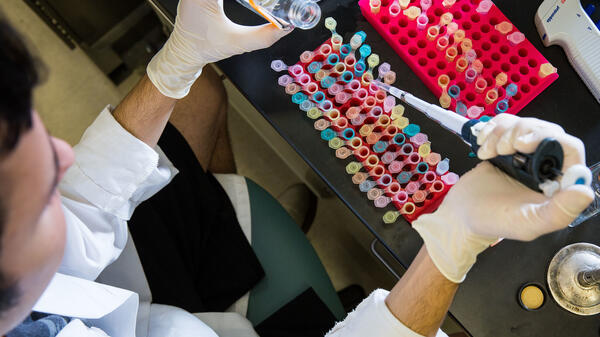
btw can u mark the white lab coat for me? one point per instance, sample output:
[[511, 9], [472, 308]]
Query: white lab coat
[[101, 281]]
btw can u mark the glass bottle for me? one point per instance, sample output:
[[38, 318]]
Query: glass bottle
[[303, 14]]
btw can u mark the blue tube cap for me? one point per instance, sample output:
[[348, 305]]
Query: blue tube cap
[[380, 146], [348, 133], [403, 177], [399, 139], [327, 134], [411, 129], [364, 50], [298, 98]]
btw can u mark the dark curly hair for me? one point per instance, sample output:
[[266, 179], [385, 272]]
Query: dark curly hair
[[18, 77]]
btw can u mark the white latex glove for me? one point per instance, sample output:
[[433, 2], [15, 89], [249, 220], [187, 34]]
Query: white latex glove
[[486, 204], [203, 34]]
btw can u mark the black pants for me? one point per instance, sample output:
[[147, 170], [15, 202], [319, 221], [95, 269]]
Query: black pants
[[195, 255]]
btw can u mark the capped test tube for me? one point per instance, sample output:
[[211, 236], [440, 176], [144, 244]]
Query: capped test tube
[[395, 167], [450, 178], [425, 5], [382, 201], [284, 80], [278, 65], [443, 167], [343, 153], [374, 193], [484, 6], [419, 196], [366, 185], [390, 217], [359, 177]]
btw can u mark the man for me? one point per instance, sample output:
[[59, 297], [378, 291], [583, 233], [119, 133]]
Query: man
[[118, 165]]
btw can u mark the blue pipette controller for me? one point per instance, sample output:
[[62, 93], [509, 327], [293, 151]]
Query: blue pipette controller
[[538, 170]]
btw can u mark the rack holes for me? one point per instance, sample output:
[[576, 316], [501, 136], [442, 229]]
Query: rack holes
[[505, 67], [525, 88], [438, 12], [467, 25], [524, 70], [486, 46], [412, 33], [385, 19], [495, 38], [422, 61], [504, 49], [485, 28], [470, 97], [494, 21], [441, 65], [489, 81], [457, 15], [523, 52], [532, 63], [475, 17], [487, 64], [495, 73], [431, 54], [495, 56], [515, 78], [403, 40], [514, 59], [465, 8], [452, 75], [534, 81], [394, 30], [422, 44], [517, 96], [432, 72], [403, 22], [413, 51], [476, 36]]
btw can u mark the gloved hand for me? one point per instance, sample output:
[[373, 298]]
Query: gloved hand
[[486, 204], [203, 34]]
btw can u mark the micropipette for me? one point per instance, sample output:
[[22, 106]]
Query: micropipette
[[538, 170]]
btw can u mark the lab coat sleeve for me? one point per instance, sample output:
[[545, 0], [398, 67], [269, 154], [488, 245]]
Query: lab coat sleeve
[[373, 318], [112, 174]]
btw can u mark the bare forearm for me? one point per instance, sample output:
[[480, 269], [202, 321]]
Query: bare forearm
[[420, 300], [145, 112]]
